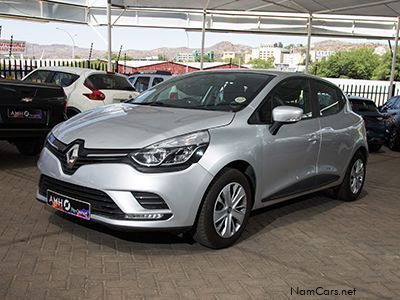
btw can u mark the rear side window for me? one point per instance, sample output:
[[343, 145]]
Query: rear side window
[[330, 101], [109, 82], [40, 76], [363, 106], [64, 79], [157, 80]]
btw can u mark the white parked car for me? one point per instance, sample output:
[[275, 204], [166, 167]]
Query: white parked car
[[85, 88]]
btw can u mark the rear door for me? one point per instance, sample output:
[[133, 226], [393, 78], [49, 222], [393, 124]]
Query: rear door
[[115, 88]]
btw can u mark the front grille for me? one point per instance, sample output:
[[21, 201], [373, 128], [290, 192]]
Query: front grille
[[86, 156], [100, 202], [150, 200]]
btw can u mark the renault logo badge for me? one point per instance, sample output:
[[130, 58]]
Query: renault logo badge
[[26, 99], [72, 155]]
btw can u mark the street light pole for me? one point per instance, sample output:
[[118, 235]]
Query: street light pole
[[72, 39]]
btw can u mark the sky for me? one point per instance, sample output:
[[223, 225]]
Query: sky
[[130, 38]]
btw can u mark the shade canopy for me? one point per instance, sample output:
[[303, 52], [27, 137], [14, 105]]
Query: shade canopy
[[339, 18]]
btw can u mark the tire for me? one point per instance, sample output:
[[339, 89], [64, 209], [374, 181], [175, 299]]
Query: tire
[[374, 147], [394, 140], [349, 190], [29, 147], [229, 182]]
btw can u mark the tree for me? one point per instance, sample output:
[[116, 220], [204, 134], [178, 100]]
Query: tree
[[382, 72], [114, 56], [259, 63], [356, 63], [162, 57]]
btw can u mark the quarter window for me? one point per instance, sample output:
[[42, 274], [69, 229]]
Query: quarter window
[[292, 92], [328, 99]]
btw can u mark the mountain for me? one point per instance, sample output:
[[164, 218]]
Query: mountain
[[65, 51]]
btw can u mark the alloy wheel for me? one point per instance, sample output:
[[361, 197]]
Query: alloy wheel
[[230, 210], [357, 176]]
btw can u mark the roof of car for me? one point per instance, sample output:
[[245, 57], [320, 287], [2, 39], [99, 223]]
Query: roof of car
[[73, 70]]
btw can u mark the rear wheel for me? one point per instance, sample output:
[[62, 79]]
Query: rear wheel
[[225, 211], [353, 182], [394, 140], [30, 147]]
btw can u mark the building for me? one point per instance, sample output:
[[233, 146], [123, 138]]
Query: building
[[293, 59], [266, 52], [317, 55], [380, 50], [135, 66], [185, 56], [228, 55]]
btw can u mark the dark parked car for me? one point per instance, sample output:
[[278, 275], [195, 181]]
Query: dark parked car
[[392, 110], [28, 111], [374, 121]]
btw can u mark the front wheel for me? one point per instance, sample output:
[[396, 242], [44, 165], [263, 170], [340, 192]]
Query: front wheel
[[354, 179], [225, 211]]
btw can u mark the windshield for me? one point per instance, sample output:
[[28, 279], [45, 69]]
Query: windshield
[[367, 106], [224, 91]]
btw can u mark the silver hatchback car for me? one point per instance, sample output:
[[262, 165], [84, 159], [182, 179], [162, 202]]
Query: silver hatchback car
[[199, 152]]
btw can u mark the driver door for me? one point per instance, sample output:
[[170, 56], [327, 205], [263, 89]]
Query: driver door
[[289, 158]]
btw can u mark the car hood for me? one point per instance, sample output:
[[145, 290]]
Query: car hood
[[128, 126]]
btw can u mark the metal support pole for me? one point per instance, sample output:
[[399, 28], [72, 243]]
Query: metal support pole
[[394, 57], [203, 37], [109, 45], [309, 27]]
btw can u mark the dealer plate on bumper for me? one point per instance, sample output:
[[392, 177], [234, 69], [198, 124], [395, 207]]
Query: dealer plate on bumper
[[69, 205]]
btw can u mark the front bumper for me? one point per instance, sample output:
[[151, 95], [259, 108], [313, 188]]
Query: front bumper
[[182, 191]]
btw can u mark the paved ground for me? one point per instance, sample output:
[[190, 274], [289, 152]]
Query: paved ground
[[314, 242]]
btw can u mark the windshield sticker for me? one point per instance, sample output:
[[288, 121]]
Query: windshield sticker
[[240, 99]]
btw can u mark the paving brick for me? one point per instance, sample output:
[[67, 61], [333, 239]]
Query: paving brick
[[314, 241]]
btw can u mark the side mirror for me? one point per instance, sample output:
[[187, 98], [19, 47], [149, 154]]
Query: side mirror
[[284, 115]]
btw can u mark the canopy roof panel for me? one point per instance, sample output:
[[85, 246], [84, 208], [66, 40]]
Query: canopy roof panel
[[375, 19], [382, 8]]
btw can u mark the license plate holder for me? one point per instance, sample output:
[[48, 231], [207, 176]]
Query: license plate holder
[[24, 114], [69, 205]]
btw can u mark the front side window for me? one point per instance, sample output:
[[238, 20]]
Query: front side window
[[327, 98], [109, 82], [39, 76], [292, 92], [64, 79], [142, 83], [224, 91]]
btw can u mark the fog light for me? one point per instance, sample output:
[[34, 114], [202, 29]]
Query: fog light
[[147, 216]]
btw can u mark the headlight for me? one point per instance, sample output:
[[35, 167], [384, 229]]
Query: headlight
[[179, 151]]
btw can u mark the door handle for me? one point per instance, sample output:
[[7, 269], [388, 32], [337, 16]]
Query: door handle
[[312, 138]]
